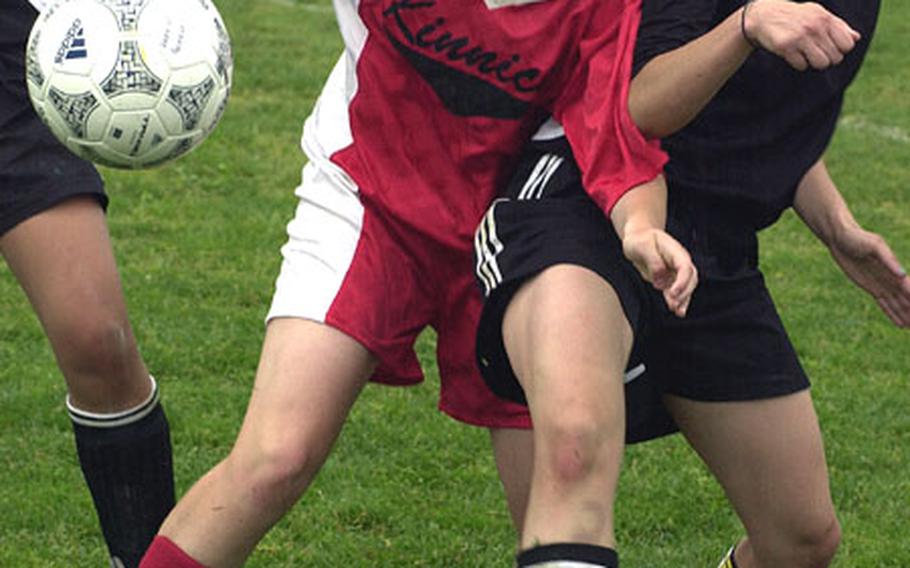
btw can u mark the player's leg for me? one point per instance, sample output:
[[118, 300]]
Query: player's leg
[[62, 257], [555, 333], [769, 457], [343, 276], [738, 392], [513, 450], [463, 394], [308, 378], [568, 341]]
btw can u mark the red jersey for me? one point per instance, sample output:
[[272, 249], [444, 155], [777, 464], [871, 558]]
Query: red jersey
[[440, 96]]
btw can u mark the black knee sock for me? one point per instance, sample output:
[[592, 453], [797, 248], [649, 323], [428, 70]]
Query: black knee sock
[[554, 555], [126, 461]]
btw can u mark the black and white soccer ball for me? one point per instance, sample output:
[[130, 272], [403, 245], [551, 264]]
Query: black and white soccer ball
[[130, 83]]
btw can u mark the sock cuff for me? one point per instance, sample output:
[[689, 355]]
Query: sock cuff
[[114, 419], [163, 553], [569, 552]]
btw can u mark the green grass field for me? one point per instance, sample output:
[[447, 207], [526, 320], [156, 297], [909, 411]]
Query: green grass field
[[197, 243]]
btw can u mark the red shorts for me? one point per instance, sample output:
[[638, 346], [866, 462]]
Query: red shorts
[[349, 267]]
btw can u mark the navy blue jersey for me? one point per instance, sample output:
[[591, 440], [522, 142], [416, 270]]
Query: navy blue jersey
[[735, 168], [16, 19]]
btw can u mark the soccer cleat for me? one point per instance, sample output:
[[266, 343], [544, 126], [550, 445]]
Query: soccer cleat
[[727, 561]]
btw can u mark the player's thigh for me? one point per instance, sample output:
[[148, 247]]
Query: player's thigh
[[63, 259], [769, 457], [308, 378], [566, 335]]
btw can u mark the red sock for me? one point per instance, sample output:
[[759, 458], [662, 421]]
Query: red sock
[[163, 553]]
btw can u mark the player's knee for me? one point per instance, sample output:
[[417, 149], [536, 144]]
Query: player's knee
[[819, 544], [576, 447], [276, 473], [811, 545], [100, 348]]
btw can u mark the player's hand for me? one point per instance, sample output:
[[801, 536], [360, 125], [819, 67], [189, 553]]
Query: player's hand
[[803, 33], [870, 263], [664, 263]]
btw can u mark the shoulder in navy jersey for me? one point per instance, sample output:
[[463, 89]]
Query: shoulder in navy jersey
[[755, 140], [16, 20], [668, 24]]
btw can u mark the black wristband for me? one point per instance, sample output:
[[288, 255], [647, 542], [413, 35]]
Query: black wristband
[[742, 25]]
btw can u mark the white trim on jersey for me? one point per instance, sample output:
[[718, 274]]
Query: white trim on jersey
[[487, 246], [39, 5], [494, 4], [319, 140], [328, 128], [549, 130], [353, 31]]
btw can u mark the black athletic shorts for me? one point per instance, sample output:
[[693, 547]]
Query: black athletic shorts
[[730, 346], [36, 171], [545, 218]]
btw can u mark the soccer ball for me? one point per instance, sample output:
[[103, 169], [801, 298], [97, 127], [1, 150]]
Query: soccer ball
[[130, 83]]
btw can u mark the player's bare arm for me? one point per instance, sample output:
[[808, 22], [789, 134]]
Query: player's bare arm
[[673, 87], [864, 256], [639, 218]]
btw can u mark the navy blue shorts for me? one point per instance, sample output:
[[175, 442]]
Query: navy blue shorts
[[731, 346], [36, 171]]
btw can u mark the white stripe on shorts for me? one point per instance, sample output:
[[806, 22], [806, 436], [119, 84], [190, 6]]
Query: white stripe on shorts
[[322, 239], [540, 176], [487, 246], [634, 373], [486, 242]]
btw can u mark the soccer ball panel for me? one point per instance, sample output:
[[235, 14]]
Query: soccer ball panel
[[131, 74], [167, 29], [130, 83], [72, 108], [132, 136], [75, 38]]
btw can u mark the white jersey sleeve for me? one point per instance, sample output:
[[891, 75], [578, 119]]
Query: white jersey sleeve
[[39, 5]]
